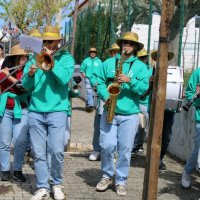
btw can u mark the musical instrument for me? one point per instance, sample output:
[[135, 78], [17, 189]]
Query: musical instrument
[[188, 105], [46, 60], [114, 90], [74, 84], [174, 92]]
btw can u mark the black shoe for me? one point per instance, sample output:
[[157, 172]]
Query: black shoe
[[18, 176], [162, 166], [6, 176], [134, 151]]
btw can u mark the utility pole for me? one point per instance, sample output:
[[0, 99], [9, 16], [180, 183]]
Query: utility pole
[[74, 26], [150, 184]]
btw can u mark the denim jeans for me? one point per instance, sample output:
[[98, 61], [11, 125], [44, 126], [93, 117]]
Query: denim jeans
[[166, 132], [16, 131], [89, 93], [118, 135], [96, 133], [193, 158], [48, 134], [142, 132]]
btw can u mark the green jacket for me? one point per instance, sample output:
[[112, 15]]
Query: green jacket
[[90, 66], [129, 98], [191, 90], [49, 88], [145, 100]]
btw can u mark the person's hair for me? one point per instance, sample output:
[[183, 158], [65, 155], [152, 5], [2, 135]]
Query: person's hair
[[1, 47], [11, 61]]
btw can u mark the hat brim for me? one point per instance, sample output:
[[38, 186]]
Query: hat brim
[[18, 54], [112, 49], [139, 45], [143, 55], [50, 38], [154, 55]]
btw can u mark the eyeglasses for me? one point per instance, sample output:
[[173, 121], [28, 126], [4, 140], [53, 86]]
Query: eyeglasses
[[92, 51], [128, 43]]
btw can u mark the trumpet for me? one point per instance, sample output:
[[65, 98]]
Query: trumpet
[[188, 105]]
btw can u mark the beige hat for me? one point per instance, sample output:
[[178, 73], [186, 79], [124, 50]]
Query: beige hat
[[155, 52], [51, 33], [114, 47], [142, 53], [17, 51], [93, 49], [131, 36], [35, 33]]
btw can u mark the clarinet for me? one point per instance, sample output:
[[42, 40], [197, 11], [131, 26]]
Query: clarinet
[[188, 105]]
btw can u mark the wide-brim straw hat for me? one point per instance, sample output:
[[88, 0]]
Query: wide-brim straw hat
[[35, 33], [114, 47], [17, 51], [154, 55], [142, 53], [51, 33], [131, 36], [93, 49]]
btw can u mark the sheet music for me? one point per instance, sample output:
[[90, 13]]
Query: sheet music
[[29, 43]]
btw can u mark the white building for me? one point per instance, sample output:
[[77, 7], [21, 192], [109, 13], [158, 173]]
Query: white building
[[190, 38]]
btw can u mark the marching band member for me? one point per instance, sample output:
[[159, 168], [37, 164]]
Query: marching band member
[[168, 120], [144, 101], [88, 66], [121, 132], [192, 88], [13, 116], [95, 155], [113, 50], [48, 113]]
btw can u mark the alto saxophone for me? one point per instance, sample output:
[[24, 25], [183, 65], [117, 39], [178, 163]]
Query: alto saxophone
[[114, 90]]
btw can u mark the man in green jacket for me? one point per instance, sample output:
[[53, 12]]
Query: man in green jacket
[[89, 70], [120, 133], [48, 113], [193, 88]]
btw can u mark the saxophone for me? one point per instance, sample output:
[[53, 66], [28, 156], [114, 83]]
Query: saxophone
[[114, 90]]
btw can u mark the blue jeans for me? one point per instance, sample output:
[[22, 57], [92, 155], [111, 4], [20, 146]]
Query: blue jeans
[[192, 161], [118, 135], [142, 132], [166, 132], [89, 93], [48, 135], [96, 133], [16, 131]]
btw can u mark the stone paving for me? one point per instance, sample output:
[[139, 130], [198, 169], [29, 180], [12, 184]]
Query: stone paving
[[81, 175]]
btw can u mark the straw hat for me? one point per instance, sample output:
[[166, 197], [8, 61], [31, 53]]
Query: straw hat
[[131, 36], [93, 49], [155, 52], [114, 47], [142, 53], [35, 33], [17, 51], [51, 33]]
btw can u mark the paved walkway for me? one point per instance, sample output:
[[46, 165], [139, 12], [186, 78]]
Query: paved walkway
[[81, 175]]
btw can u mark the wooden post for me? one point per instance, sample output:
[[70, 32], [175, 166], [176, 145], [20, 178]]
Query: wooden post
[[74, 26], [150, 184]]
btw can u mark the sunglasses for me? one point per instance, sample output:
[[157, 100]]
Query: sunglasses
[[128, 43], [92, 51]]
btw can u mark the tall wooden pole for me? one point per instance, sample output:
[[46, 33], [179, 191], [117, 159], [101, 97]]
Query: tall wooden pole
[[157, 106], [74, 26]]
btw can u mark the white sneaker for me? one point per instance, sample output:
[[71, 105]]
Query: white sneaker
[[57, 192], [185, 180], [41, 194], [94, 156]]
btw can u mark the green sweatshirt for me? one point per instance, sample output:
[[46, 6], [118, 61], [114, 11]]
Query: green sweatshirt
[[49, 88], [145, 100], [90, 66], [129, 98], [191, 90]]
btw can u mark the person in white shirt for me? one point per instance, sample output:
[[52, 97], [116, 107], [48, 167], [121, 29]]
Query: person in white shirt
[[1, 55]]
